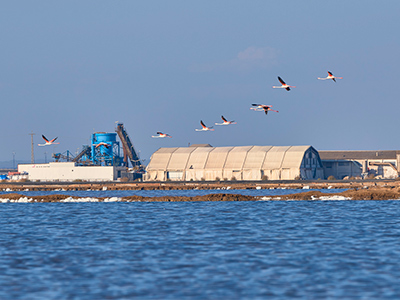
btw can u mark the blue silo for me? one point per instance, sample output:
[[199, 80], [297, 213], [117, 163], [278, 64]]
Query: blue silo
[[105, 149]]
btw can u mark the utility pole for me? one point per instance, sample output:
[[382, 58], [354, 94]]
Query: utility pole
[[13, 160], [32, 154]]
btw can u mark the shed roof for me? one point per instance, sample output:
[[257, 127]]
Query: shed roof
[[235, 158], [255, 157], [343, 155], [200, 145], [294, 156], [274, 157], [160, 158], [198, 157], [179, 158], [217, 157]]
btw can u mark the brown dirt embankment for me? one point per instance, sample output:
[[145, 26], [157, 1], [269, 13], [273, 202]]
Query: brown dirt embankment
[[377, 193], [207, 185], [211, 197], [59, 198]]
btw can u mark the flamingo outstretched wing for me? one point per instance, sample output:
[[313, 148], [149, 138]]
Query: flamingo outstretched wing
[[332, 77], [45, 138], [281, 81]]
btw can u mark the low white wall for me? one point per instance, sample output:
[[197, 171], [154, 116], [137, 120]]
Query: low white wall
[[67, 171]]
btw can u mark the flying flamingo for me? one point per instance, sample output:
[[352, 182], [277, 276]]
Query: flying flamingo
[[205, 128], [103, 144], [161, 135], [330, 76], [283, 86], [48, 143], [260, 107], [226, 122]]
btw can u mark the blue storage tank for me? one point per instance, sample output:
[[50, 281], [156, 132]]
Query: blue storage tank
[[103, 148], [102, 137]]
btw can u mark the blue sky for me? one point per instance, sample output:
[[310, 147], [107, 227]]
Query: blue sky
[[74, 67]]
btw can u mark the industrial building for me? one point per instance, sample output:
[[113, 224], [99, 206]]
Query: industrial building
[[69, 171], [380, 164], [101, 161], [204, 162]]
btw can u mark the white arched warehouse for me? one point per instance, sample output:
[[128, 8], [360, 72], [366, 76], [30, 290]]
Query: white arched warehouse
[[234, 163]]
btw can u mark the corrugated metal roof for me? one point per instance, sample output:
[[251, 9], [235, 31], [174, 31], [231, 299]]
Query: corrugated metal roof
[[247, 162], [160, 159], [274, 157], [198, 158], [236, 157], [200, 145], [294, 156], [217, 157], [340, 155], [179, 158], [255, 157]]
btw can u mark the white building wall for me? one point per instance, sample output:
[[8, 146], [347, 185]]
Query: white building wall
[[67, 171], [384, 171]]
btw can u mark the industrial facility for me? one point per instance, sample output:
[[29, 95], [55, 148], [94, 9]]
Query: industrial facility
[[100, 161], [362, 164], [206, 163], [109, 159]]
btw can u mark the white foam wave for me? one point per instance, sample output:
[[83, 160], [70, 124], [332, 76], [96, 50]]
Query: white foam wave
[[112, 199], [265, 198], [20, 200], [327, 198], [87, 199], [68, 199]]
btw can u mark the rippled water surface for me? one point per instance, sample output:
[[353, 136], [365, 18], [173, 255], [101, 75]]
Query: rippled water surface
[[200, 250], [159, 193]]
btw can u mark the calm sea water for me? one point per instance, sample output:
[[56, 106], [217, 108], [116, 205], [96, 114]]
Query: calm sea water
[[200, 250]]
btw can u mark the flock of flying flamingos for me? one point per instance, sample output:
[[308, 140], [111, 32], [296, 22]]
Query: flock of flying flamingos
[[256, 107]]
